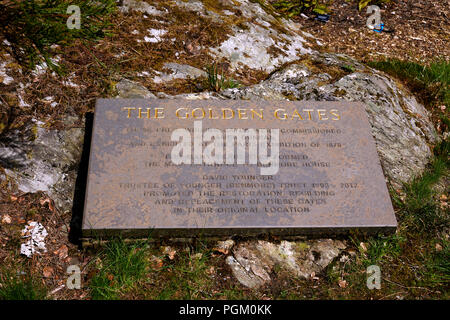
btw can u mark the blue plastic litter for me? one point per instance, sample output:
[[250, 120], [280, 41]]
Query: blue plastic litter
[[323, 17]]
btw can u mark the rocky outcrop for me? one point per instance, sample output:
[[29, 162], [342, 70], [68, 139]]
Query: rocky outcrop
[[39, 159], [252, 263], [400, 125]]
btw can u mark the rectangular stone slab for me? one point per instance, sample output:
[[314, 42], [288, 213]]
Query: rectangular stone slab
[[329, 179]]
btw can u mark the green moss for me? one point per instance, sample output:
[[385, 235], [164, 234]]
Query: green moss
[[301, 246]]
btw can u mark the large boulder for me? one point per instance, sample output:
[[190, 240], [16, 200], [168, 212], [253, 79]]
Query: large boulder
[[401, 126]]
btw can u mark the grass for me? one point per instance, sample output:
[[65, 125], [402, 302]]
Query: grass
[[217, 81], [438, 266], [15, 287], [382, 247], [34, 26], [419, 208], [186, 278], [120, 267], [431, 82]]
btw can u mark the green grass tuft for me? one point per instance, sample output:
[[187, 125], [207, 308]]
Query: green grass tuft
[[121, 267], [438, 266], [33, 26], [187, 278], [432, 82], [217, 80], [21, 288], [419, 209]]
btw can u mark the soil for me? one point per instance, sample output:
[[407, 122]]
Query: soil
[[420, 30]]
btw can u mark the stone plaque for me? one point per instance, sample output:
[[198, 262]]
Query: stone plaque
[[181, 168]]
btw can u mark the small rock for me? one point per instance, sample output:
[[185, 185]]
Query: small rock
[[128, 89], [242, 275], [342, 283], [178, 71], [224, 246], [169, 251]]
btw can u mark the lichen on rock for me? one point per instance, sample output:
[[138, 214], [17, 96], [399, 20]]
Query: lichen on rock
[[253, 262]]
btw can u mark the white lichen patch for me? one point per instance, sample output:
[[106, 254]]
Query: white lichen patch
[[154, 35], [4, 77], [50, 100], [35, 234], [177, 71], [251, 48], [140, 6]]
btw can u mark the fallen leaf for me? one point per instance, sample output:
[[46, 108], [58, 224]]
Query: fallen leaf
[[224, 246], [438, 247], [47, 272], [49, 202], [156, 263], [13, 198], [62, 252], [363, 246], [342, 283], [169, 251]]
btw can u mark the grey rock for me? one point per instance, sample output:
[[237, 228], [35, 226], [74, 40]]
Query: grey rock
[[141, 6], [244, 276], [178, 71], [39, 159], [128, 89], [224, 246], [400, 125], [253, 262], [266, 42]]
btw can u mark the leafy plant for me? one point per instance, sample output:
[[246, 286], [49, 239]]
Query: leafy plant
[[33, 26], [216, 81], [364, 3], [295, 7]]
